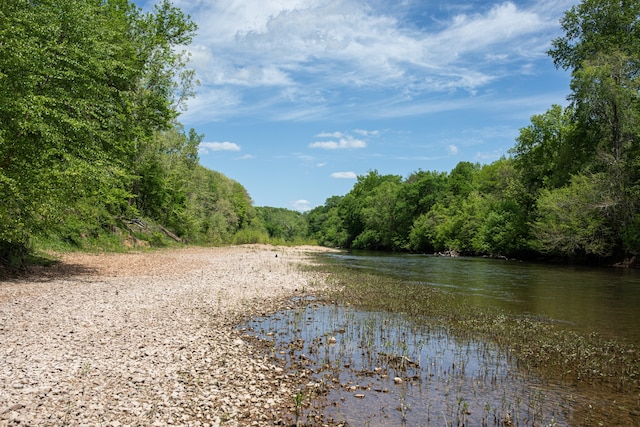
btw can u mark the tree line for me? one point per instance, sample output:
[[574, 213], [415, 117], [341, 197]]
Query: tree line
[[90, 94], [569, 188]]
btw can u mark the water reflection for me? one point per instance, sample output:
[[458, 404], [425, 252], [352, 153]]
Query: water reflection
[[602, 300], [380, 369]]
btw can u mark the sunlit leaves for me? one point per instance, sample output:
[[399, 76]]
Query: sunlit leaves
[[573, 219]]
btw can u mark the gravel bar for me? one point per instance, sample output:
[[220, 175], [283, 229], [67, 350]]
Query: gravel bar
[[147, 339]]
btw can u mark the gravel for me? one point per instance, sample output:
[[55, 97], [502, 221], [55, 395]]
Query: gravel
[[147, 339]]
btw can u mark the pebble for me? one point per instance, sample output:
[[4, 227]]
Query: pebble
[[150, 339]]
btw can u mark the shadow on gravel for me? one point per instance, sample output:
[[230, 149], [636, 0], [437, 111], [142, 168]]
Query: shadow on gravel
[[44, 270]]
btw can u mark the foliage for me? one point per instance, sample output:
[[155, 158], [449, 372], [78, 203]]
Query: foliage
[[571, 188], [284, 224], [89, 96], [573, 220]]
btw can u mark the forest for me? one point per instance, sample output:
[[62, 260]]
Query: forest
[[570, 188], [92, 154]]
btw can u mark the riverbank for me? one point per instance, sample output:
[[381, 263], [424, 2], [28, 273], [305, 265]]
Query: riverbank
[[147, 338]]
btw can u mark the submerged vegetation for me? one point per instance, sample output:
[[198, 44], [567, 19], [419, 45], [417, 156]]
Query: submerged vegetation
[[552, 350], [381, 351]]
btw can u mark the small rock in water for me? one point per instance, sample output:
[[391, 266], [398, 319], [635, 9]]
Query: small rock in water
[[397, 380]]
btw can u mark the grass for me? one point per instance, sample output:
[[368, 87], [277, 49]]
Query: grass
[[549, 349], [604, 374]]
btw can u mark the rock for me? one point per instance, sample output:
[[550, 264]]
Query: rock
[[147, 339]]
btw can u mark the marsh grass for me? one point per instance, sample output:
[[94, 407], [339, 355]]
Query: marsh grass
[[550, 349]]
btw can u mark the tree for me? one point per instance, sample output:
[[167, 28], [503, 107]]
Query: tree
[[601, 47], [594, 27], [66, 69], [548, 151], [283, 224], [573, 221], [378, 214], [461, 179], [82, 84], [325, 224], [417, 195]]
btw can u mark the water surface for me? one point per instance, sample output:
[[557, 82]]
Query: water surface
[[603, 300], [386, 369]]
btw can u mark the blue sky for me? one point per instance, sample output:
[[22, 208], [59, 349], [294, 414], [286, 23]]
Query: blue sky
[[299, 97]]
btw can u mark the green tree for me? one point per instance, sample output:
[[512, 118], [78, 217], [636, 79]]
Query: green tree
[[378, 215], [417, 195], [601, 47], [353, 203], [83, 83], [573, 221], [594, 27], [283, 224], [66, 71], [325, 224], [549, 151]]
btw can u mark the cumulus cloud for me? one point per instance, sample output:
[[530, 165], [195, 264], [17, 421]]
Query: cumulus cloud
[[301, 205], [302, 50], [206, 147], [344, 175], [340, 141], [453, 149], [330, 135], [365, 133]]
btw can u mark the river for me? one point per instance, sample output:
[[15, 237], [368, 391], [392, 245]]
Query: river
[[602, 300], [383, 369]]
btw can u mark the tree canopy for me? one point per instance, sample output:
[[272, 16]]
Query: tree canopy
[[570, 189], [90, 91]]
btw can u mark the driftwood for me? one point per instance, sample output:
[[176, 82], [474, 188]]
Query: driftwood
[[143, 226], [449, 253], [170, 234]]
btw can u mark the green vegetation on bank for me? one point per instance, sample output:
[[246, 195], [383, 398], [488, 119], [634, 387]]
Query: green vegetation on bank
[[91, 153], [570, 188], [91, 147]]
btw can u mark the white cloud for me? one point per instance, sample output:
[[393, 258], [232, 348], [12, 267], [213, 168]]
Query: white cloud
[[321, 165], [330, 135], [344, 175], [342, 141], [299, 54], [367, 132], [205, 147], [301, 205], [453, 149]]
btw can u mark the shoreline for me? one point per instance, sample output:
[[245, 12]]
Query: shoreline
[[147, 338]]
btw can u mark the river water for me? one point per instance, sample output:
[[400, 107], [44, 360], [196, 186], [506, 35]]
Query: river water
[[382, 369], [603, 300]]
